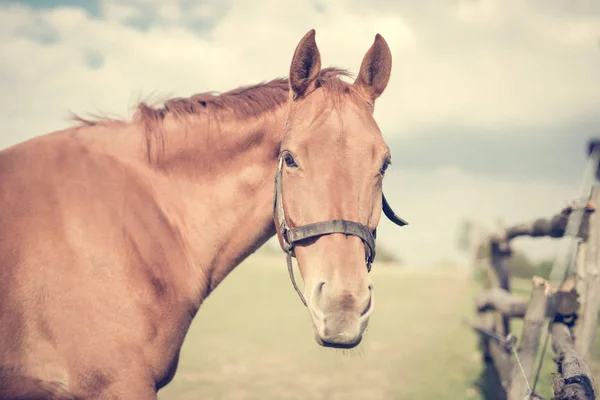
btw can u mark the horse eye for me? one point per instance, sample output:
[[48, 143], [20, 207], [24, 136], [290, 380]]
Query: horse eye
[[384, 167], [289, 160]]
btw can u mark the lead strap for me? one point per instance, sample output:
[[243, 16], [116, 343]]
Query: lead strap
[[291, 272]]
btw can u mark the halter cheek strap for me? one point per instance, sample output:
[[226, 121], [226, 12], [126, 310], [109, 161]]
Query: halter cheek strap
[[288, 238]]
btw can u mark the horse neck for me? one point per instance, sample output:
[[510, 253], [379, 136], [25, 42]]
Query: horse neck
[[222, 183]]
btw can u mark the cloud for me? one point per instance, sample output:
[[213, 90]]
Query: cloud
[[497, 64], [435, 202], [476, 63], [519, 155], [471, 82], [163, 58]]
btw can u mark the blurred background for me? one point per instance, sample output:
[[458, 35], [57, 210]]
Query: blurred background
[[487, 113]]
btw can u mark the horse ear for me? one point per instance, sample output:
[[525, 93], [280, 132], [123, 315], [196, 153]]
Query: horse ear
[[375, 69], [305, 67]]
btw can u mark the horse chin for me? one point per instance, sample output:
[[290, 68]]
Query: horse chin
[[333, 345]]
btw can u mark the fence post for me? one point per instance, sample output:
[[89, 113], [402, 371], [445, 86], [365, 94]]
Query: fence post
[[585, 330], [500, 257], [530, 339]]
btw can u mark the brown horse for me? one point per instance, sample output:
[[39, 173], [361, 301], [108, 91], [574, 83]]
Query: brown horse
[[114, 232]]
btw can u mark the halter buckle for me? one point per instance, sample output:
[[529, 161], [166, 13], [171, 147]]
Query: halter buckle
[[287, 246]]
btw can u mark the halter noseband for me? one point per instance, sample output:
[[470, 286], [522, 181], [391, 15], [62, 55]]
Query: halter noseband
[[289, 237]]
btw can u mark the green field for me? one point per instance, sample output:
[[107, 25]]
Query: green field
[[252, 339]]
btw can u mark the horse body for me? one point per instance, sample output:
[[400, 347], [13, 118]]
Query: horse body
[[80, 275], [114, 233], [96, 245]]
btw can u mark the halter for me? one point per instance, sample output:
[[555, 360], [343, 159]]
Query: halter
[[289, 237]]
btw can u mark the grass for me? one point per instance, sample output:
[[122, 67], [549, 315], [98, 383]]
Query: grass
[[252, 339]]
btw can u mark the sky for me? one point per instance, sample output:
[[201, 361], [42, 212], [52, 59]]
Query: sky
[[487, 112]]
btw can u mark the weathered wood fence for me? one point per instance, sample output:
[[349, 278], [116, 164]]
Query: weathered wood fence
[[572, 308]]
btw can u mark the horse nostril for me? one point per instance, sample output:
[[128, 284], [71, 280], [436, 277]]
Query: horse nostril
[[318, 292], [320, 288], [369, 304]]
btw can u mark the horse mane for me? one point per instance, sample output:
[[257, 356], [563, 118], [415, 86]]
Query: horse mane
[[244, 102]]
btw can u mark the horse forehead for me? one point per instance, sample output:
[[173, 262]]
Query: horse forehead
[[341, 125]]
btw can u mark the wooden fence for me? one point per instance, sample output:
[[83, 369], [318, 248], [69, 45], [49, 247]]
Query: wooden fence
[[572, 309]]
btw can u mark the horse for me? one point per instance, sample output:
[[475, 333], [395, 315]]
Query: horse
[[114, 232]]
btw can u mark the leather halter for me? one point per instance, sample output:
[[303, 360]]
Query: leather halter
[[289, 237]]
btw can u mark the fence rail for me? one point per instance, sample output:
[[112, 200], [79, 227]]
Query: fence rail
[[571, 308]]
